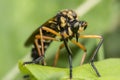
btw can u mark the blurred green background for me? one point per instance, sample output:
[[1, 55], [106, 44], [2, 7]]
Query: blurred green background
[[19, 18]]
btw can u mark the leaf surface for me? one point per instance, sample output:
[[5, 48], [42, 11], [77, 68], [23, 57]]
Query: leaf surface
[[109, 70]]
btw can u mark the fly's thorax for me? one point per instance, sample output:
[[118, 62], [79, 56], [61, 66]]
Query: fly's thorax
[[70, 14], [63, 21], [64, 18]]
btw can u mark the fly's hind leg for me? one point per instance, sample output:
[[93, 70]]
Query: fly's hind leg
[[36, 54], [41, 37]]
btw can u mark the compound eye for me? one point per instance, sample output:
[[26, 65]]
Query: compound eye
[[76, 25]]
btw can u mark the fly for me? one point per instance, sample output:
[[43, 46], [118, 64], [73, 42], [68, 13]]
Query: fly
[[64, 26]]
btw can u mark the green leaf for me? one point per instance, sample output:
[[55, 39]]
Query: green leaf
[[109, 70]]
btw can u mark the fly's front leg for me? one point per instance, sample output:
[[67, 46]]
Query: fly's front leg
[[96, 50]]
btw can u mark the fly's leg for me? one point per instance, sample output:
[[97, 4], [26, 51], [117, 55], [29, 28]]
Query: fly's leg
[[93, 57], [69, 56], [37, 49], [96, 51]]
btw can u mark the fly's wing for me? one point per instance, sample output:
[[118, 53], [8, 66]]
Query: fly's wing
[[30, 40]]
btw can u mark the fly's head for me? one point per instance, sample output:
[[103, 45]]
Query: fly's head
[[77, 27]]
